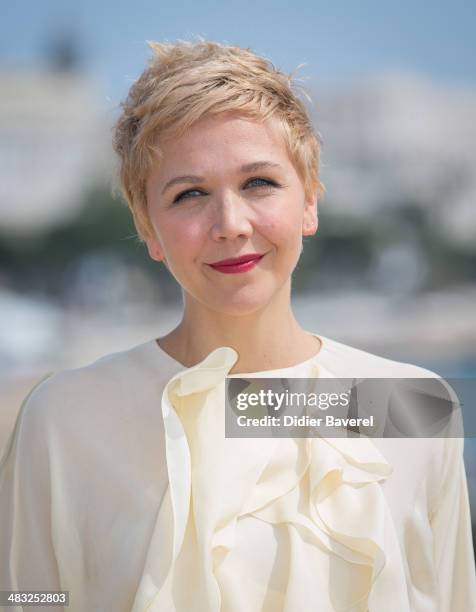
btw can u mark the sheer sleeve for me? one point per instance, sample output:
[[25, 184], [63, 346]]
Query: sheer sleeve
[[451, 525], [27, 554]]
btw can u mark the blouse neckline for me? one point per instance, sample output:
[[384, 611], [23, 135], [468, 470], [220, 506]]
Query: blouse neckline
[[158, 351], [271, 482]]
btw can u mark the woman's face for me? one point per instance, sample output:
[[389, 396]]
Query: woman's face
[[223, 209]]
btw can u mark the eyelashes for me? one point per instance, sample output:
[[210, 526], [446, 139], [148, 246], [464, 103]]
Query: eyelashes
[[267, 184]]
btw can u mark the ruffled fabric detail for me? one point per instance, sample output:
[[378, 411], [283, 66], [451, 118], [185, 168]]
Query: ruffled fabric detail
[[328, 490]]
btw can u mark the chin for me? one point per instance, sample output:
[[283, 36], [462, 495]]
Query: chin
[[242, 302]]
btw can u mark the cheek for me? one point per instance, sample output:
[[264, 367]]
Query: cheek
[[181, 237], [281, 224]]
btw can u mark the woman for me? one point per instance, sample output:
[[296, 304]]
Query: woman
[[119, 485]]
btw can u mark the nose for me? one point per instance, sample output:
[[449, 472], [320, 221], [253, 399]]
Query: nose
[[230, 218]]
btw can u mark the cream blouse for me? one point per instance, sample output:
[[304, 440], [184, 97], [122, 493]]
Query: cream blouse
[[118, 485]]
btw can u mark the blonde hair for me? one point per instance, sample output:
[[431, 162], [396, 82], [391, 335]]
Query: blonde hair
[[187, 80]]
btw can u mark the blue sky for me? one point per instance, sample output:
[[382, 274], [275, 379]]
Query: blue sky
[[339, 41]]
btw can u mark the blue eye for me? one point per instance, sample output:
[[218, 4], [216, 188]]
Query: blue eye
[[264, 183], [182, 195]]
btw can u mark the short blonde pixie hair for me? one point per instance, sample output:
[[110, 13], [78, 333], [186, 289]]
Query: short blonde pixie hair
[[187, 80]]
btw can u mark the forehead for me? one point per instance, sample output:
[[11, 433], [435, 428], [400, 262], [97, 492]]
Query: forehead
[[225, 139]]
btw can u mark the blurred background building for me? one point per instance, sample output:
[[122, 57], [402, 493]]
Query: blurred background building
[[393, 95], [52, 147]]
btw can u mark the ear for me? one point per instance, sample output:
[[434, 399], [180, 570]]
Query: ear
[[310, 219], [155, 250]]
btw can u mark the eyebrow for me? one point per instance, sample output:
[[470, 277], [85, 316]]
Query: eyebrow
[[192, 178]]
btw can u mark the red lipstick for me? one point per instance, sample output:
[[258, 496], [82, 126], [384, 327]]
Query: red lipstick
[[237, 264]]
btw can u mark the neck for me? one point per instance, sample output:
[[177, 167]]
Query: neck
[[267, 339]]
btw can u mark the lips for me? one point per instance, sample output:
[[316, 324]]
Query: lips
[[237, 260]]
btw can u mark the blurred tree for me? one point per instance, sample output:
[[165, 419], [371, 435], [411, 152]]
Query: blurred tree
[[40, 262]]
